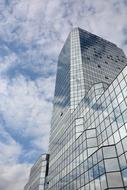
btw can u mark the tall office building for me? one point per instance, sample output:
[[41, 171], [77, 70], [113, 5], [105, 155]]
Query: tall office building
[[38, 174], [88, 139]]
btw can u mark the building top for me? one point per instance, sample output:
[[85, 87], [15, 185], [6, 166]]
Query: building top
[[43, 157]]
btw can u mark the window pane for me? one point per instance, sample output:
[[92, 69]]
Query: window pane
[[114, 179], [111, 164], [109, 152]]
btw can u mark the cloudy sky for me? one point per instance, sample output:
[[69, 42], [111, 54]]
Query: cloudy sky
[[32, 33]]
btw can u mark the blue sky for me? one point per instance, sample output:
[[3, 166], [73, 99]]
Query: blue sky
[[32, 33]]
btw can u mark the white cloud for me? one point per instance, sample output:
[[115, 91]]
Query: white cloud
[[14, 176], [7, 61], [26, 106], [10, 150], [43, 21], [42, 141]]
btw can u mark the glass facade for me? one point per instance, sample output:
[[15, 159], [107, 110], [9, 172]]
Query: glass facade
[[38, 173], [88, 138]]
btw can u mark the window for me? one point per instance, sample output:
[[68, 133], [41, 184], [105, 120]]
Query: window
[[112, 182], [79, 128], [91, 133], [111, 165], [109, 152], [106, 77], [79, 121], [61, 113], [124, 174], [91, 142]]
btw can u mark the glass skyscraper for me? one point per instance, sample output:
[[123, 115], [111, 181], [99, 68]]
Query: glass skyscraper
[[88, 138], [38, 173]]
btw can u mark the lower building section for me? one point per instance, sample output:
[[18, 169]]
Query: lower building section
[[104, 169], [100, 171], [38, 173], [90, 151]]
